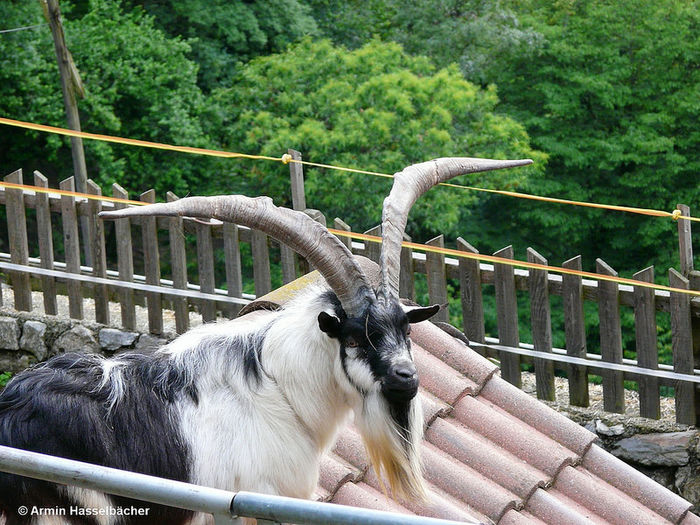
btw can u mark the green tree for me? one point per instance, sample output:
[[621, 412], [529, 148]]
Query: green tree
[[223, 33], [139, 84], [612, 96], [474, 34], [375, 108]]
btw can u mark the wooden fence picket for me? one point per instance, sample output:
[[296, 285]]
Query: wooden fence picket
[[471, 274], [205, 266], [96, 235], [541, 322], [125, 261], [261, 263], [682, 344], [178, 264], [436, 276], [45, 241], [610, 339], [507, 313], [19, 247], [151, 261], [470, 294], [575, 332], [646, 342], [71, 247], [407, 287], [234, 279]]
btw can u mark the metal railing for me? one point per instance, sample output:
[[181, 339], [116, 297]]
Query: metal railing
[[226, 507]]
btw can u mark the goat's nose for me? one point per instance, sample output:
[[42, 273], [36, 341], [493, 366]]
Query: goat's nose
[[401, 382], [404, 372]]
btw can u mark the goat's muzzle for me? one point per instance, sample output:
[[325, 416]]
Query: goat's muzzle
[[400, 383]]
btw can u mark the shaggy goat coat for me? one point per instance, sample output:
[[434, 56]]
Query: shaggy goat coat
[[249, 404]]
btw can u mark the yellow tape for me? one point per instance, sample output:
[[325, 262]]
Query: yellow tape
[[422, 247], [514, 262], [286, 159], [37, 189]]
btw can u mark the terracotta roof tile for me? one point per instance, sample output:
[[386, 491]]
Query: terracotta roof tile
[[485, 457], [540, 416], [494, 454], [635, 484], [453, 352], [611, 504], [362, 495], [350, 447], [440, 379], [440, 504], [334, 472], [554, 508], [433, 407], [513, 517], [690, 519], [467, 485], [513, 434]]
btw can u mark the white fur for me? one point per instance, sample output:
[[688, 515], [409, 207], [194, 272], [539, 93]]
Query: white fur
[[240, 433]]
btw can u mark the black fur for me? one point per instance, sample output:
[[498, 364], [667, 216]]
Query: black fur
[[139, 433]]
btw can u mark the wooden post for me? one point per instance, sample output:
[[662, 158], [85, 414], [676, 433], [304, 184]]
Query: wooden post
[[125, 261], [682, 344], [205, 266], [685, 242], [470, 293], [45, 238], [71, 247], [287, 255], [437, 284], [234, 278], [99, 258], [541, 326], [178, 263], [19, 246], [71, 85], [575, 332], [151, 262], [507, 311], [610, 339], [647, 349], [296, 174]]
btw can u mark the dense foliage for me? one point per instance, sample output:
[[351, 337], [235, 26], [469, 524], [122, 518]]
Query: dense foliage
[[375, 108], [603, 95], [139, 84]]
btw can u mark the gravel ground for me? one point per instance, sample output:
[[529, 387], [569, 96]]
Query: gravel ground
[[595, 396]]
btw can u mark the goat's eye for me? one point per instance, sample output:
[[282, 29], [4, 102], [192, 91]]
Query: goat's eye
[[351, 343], [408, 330]]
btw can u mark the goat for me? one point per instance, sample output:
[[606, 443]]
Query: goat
[[248, 404]]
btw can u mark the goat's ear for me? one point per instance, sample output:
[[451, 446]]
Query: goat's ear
[[416, 315], [329, 324]]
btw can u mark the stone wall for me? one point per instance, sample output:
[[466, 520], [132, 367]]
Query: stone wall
[[663, 450], [26, 339]]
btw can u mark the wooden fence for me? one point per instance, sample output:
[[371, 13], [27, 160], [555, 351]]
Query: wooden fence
[[207, 272]]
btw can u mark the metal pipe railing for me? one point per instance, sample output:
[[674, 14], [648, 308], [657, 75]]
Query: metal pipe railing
[[224, 505]]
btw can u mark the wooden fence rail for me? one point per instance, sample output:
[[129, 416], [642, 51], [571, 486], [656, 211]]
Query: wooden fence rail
[[139, 250]]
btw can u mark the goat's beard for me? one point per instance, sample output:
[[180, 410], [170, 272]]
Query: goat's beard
[[392, 434]]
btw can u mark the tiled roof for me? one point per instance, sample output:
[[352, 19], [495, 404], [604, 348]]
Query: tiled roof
[[493, 454]]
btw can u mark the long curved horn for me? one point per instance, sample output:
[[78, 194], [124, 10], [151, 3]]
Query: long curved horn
[[296, 229], [408, 186]]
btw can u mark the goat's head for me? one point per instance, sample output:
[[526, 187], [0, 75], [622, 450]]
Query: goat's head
[[370, 326]]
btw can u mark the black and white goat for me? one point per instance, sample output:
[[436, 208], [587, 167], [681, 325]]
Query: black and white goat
[[252, 403]]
